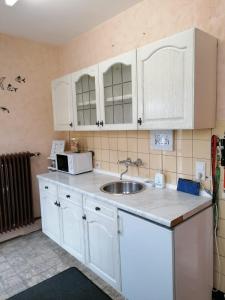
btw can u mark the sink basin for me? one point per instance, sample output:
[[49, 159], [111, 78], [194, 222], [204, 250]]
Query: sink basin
[[122, 187]]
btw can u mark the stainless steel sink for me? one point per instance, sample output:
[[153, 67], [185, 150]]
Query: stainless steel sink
[[124, 187]]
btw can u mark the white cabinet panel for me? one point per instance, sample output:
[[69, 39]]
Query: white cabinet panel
[[62, 103], [118, 92], [146, 252], [85, 88], [170, 74], [72, 228], [102, 246], [50, 216]]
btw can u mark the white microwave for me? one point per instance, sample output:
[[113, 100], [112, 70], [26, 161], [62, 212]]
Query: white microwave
[[74, 163]]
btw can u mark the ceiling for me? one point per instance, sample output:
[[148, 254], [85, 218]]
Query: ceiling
[[57, 21]]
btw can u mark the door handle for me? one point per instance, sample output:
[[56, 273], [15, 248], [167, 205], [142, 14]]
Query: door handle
[[56, 203], [97, 208], [46, 187], [97, 123], [101, 123], [67, 196], [84, 217], [139, 121]]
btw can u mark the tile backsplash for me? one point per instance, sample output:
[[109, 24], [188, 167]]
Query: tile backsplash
[[111, 146]]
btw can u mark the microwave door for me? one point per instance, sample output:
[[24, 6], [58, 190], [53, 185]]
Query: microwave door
[[62, 163]]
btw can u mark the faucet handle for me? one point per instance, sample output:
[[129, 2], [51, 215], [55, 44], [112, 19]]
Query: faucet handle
[[139, 162]]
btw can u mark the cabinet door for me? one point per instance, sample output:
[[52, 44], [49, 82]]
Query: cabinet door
[[118, 93], [85, 87], [165, 83], [102, 251], [72, 228], [146, 253], [62, 103], [50, 216]]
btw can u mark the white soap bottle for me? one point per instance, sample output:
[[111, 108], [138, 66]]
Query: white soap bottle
[[160, 180]]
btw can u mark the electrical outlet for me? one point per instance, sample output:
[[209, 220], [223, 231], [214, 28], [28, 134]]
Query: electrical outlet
[[200, 170], [162, 140]]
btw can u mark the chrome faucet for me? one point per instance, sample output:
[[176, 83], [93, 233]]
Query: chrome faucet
[[128, 162]]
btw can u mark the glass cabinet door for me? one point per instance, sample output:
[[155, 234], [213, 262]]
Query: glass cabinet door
[[85, 91], [118, 92]]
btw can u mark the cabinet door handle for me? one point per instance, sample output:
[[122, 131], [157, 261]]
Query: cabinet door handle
[[139, 121], [56, 203], [71, 124], [101, 123], [46, 187], [97, 208], [97, 123], [84, 217], [67, 196]]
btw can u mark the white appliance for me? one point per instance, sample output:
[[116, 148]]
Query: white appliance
[[74, 163], [159, 263]]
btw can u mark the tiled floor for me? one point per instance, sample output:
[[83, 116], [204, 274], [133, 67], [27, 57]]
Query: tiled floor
[[30, 259]]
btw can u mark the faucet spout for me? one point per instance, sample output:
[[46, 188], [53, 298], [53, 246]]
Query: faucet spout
[[128, 162], [124, 172]]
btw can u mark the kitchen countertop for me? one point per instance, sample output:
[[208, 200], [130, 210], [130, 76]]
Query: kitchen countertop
[[164, 206]]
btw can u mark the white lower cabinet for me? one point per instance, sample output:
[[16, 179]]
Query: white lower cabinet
[[49, 213], [88, 233], [72, 229], [102, 243]]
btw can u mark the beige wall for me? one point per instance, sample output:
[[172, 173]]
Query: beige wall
[[145, 22], [29, 126]]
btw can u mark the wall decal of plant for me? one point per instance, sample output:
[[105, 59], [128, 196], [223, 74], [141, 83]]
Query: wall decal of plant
[[4, 109], [8, 87]]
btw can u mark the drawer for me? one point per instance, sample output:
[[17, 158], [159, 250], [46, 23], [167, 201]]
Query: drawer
[[66, 193], [48, 187], [100, 207]]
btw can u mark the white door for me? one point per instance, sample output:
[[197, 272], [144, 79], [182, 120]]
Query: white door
[[72, 228], [62, 103], [50, 216], [166, 83], [118, 92], [102, 252], [85, 87], [146, 253]]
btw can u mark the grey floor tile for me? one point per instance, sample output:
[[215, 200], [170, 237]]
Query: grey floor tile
[[30, 259]]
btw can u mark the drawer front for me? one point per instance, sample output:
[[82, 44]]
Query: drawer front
[[69, 194], [100, 207], [48, 187]]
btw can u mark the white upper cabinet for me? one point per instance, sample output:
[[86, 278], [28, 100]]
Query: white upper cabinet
[[62, 103], [177, 82], [118, 92], [168, 84], [85, 89]]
